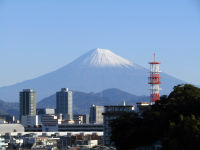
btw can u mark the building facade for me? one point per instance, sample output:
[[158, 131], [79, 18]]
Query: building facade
[[112, 112], [96, 114], [31, 121], [10, 128], [50, 123], [43, 111], [64, 103], [81, 119], [27, 100]]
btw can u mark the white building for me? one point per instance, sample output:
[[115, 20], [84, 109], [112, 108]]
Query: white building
[[29, 120], [112, 112]]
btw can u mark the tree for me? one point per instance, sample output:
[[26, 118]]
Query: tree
[[174, 120]]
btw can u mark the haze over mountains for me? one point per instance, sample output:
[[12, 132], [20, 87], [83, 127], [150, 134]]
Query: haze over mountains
[[82, 101], [94, 71]]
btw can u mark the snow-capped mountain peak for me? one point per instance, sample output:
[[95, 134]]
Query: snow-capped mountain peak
[[103, 58]]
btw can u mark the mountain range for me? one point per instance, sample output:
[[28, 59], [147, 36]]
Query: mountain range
[[81, 101], [94, 71]]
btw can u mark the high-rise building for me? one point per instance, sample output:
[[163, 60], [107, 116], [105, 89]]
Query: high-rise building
[[64, 103], [27, 100], [96, 114]]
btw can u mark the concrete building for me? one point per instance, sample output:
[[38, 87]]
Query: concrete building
[[81, 119], [31, 121], [113, 112], [96, 114], [86, 119], [80, 127], [78, 119], [27, 100], [49, 143], [64, 103], [50, 123], [11, 128], [42, 111]]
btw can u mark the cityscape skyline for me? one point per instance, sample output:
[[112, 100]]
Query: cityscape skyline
[[134, 30], [86, 74]]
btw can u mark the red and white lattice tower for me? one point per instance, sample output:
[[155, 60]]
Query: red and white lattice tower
[[154, 80]]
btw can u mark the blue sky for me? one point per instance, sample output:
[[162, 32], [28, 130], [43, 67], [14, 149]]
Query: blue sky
[[40, 36]]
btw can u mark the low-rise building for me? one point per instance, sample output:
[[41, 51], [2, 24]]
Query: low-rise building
[[45, 111], [78, 119], [7, 119], [29, 120], [80, 127], [9, 128], [3, 145], [45, 143], [81, 119], [50, 123]]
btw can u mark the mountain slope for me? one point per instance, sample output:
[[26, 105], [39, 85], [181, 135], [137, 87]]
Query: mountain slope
[[82, 101], [94, 71], [9, 108]]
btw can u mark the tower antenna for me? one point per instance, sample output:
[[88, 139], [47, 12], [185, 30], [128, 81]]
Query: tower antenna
[[154, 80]]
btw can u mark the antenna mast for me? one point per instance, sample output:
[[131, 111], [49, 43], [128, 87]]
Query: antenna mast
[[154, 80]]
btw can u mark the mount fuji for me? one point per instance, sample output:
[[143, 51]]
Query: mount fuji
[[94, 71]]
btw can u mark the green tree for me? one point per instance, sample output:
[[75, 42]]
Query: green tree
[[174, 120]]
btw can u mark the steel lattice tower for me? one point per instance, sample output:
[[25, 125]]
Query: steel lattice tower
[[154, 80]]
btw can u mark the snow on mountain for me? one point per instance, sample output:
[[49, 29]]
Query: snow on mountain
[[94, 71], [102, 58]]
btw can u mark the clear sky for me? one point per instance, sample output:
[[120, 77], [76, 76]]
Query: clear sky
[[40, 36]]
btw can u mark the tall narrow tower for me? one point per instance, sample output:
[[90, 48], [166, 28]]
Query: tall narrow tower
[[154, 80], [27, 103], [64, 103]]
